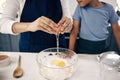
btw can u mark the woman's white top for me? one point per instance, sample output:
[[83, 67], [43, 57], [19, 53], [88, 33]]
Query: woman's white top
[[12, 12]]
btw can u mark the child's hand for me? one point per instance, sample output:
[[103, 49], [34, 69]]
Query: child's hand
[[67, 54]]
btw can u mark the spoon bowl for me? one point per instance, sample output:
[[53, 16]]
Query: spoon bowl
[[18, 72]]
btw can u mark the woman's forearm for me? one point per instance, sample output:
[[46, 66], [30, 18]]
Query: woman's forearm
[[18, 27]]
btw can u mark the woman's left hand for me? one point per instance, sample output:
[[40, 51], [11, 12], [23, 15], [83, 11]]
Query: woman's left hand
[[64, 25]]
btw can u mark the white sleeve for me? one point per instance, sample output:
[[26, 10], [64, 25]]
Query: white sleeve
[[8, 16], [66, 8]]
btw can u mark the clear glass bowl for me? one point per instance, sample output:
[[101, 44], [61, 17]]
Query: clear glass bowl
[[109, 66], [53, 66], [110, 58]]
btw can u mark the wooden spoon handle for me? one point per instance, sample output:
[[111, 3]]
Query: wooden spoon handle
[[19, 61]]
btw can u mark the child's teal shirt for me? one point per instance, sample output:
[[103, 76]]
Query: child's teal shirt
[[94, 21]]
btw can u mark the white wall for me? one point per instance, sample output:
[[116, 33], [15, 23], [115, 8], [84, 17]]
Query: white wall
[[73, 4], [112, 2]]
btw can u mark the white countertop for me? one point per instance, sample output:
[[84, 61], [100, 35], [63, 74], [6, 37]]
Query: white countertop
[[87, 68]]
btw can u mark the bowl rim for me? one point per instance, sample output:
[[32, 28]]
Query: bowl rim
[[102, 55], [57, 67]]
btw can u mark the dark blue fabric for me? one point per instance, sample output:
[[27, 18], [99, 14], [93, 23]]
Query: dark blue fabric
[[92, 47], [39, 40]]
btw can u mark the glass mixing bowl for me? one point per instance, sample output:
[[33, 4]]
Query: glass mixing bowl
[[53, 66], [110, 58], [109, 66]]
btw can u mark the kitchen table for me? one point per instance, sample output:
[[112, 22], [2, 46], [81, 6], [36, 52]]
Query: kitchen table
[[87, 67]]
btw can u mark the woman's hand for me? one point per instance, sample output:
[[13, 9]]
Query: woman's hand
[[64, 25], [45, 24]]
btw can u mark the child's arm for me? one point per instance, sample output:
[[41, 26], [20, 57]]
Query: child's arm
[[73, 34], [116, 31]]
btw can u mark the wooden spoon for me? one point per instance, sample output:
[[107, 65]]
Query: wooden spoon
[[18, 72]]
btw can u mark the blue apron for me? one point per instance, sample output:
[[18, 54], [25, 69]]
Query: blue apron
[[39, 40], [92, 47]]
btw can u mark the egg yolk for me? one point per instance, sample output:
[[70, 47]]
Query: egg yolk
[[59, 63]]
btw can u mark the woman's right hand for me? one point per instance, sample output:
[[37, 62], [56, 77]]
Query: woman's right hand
[[43, 23]]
